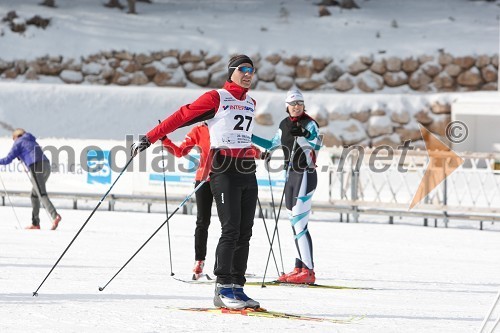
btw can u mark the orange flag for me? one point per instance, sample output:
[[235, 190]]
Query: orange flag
[[442, 163]]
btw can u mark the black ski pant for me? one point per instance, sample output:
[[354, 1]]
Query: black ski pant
[[235, 195], [204, 199], [40, 172]]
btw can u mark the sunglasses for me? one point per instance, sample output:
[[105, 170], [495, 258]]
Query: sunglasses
[[295, 103], [245, 69]]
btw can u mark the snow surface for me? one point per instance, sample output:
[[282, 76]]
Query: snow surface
[[82, 27], [423, 279]]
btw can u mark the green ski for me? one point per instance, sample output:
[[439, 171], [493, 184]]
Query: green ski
[[260, 312], [295, 285]]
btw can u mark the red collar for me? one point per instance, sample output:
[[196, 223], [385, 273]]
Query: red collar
[[237, 91], [302, 116]]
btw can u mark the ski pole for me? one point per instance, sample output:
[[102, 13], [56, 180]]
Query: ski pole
[[154, 233], [488, 316], [267, 233], [275, 219], [10, 201], [166, 207], [292, 153], [495, 325], [35, 293]]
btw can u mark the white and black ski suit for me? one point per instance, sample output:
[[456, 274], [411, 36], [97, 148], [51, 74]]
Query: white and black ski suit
[[302, 179]]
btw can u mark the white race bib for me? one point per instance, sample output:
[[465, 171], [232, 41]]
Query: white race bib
[[232, 126]]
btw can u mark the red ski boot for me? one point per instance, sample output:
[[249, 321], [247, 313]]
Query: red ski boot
[[56, 221], [306, 276], [285, 277], [198, 269]]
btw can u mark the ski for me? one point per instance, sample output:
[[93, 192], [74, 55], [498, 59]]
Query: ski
[[201, 277], [260, 312], [205, 279], [279, 284], [296, 285]]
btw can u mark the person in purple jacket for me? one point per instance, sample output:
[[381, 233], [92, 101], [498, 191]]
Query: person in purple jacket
[[30, 153]]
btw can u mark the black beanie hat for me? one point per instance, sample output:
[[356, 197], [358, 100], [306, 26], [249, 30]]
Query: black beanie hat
[[235, 62]]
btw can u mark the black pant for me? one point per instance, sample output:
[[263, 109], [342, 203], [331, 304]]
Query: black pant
[[40, 172], [236, 197], [204, 199]]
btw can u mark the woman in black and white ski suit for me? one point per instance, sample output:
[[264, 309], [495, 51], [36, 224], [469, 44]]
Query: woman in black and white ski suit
[[298, 134]]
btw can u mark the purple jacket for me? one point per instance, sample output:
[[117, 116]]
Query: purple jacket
[[27, 149]]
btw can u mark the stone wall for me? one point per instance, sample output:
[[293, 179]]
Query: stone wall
[[426, 73], [370, 127], [378, 126]]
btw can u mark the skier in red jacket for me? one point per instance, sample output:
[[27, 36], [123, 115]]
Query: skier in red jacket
[[198, 136]]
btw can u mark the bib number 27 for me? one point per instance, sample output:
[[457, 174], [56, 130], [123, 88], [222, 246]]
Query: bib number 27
[[240, 120]]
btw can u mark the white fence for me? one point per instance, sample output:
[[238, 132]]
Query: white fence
[[143, 180], [472, 192]]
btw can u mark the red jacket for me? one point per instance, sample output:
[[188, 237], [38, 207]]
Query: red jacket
[[198, 136], [202, 109]]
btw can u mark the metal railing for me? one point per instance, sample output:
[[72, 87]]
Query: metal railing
[[359, 186], [111, 200]]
